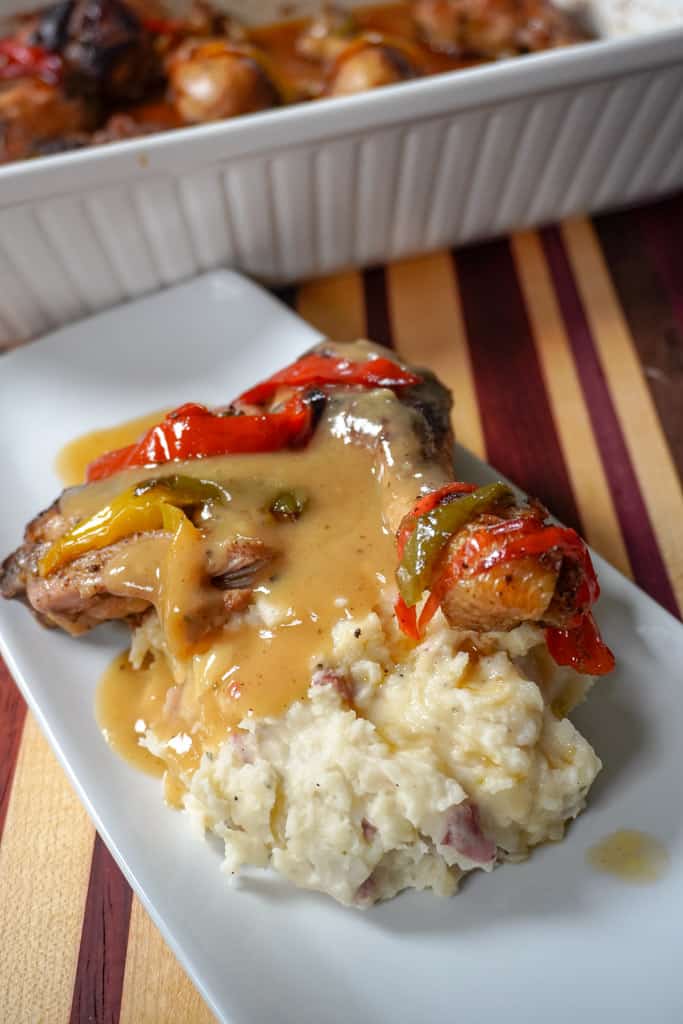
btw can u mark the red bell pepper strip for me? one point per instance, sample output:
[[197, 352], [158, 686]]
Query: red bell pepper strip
[[192, 432], [429, 610], [407, 619], [582, 647], [317, 371], [19, 60]]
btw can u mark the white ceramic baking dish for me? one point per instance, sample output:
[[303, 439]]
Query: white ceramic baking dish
[[307, 190]]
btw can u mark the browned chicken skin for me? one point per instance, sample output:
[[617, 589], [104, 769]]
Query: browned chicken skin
[[77, 598], [34, 112], [368, 64], [356, 60], [106, 51], [536, 589], [107, 57], [212, 79], [494, 28], [81, 594]]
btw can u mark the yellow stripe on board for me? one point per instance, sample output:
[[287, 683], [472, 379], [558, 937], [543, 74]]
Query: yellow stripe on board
[[44, 870], [335, 305], [577, 441], [429, 330], [155, 987], [633, 402]]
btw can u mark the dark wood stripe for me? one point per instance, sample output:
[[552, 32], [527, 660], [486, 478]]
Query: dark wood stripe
[[521, 438], [662, 225], [637, 250], [12, 717], [648, 566], [104, 941], [377, 313]]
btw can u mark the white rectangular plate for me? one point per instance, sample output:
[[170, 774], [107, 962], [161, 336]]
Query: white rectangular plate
[[545, 940]]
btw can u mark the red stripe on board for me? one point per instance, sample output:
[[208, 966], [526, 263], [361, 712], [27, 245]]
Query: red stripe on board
[[377, 314], [662, 227], [104, 941], [520, 434], [636, 272], [648, 566], [12, 717]]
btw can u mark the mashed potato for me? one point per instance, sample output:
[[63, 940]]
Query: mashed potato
[[403, 773]]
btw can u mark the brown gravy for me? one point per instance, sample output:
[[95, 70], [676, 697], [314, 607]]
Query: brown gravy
[[74, 458], [123, 692], [332, 562], [631, 855]]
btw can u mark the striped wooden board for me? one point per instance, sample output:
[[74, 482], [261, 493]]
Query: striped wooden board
[[564, 349]]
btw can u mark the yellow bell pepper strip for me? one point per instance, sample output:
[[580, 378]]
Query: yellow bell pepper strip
[[137, 510], [433, 530], [180, 579]]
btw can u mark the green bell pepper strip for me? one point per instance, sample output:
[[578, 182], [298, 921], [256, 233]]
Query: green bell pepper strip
[[432, 532], [184, 490], [137, 510]]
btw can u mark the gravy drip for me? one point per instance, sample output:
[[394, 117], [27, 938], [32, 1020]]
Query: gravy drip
[[75, 457], [631, 855]]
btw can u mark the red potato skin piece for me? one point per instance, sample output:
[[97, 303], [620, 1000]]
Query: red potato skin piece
[[339, 682], [464, 834]]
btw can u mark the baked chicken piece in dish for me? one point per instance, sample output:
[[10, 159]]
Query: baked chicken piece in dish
[[354, 59], [495, 28], [211, 79], [317, 604], [87, 72]]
